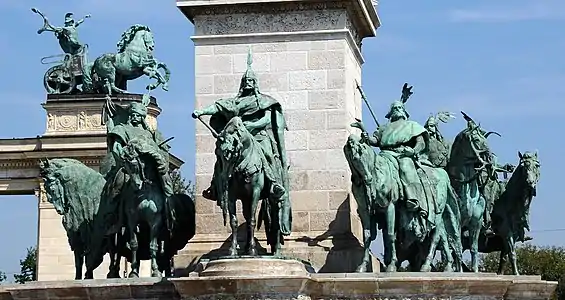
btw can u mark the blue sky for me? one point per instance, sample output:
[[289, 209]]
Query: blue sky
[[499, 61]]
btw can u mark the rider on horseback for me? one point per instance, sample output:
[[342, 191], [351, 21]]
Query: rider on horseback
[[136, 129], [405, 141], [262, 116], [438, 148]]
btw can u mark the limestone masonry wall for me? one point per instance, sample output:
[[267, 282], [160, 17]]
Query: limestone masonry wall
[[315, 81]]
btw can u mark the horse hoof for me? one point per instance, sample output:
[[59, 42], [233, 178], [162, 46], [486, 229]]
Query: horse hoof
[[252, 252], [425, 269], [361, 269], [111, 275], [233, 252], [156, 274], [133, 275], [391, 268]]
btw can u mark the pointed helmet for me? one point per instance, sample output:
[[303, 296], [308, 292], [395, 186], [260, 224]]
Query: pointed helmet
[[69, 17]]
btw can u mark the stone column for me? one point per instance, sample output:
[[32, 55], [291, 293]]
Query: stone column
[[307, 55]]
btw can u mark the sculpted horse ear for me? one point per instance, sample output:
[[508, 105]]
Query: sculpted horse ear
[[520, 155]]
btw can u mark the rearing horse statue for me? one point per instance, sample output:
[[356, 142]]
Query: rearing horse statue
[[111, 71]]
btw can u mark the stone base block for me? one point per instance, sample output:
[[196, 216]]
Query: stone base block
[[254, 266], [337, 254], [423, 286]]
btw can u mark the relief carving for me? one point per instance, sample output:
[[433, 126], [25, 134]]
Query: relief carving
[[67, 122], [40, 193], [50, 122], [82, 121], [261, 22], [95, 121]]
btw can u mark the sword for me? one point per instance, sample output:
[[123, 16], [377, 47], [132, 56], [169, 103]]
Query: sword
[[367, 103]]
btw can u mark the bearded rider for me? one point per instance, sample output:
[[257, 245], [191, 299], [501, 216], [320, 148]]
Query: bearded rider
[[136, 128], [263, 117], [438, 149], [406, 141]]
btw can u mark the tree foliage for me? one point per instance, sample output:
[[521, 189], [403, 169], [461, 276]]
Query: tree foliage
[[2, 276], [181, 186], [28, 267], [547, 261]]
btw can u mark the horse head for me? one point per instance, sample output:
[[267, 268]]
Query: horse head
[[471, 144], [530, 168], [133, 164], [356, 153], [138, 37], [53, 186], [229, 144]]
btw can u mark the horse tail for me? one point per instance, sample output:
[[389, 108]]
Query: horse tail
[[452, 221]]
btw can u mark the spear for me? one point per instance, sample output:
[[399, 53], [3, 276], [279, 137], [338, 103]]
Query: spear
[[367, 103]]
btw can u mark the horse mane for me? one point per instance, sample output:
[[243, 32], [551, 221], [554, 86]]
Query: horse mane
[[82, 187], [129, 34]]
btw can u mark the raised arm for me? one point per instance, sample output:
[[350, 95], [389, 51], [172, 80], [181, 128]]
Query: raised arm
[[77, 23]]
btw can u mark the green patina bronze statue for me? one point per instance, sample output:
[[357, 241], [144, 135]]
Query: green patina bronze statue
[[137, 177], [132, 190], [399, 182], [251, 162], [510, 214], [110, 72], [405, 183], [438, 152], [67, 35]]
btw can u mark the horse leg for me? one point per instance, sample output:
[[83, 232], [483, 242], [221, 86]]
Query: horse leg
[[512, 254], [79, 261], [233, 224], [154, 244], [257, 185], [502, 261], [152, 72], [133, 244], [390, 238], [476, 224], [366, 225], [435, 236], [114, 269]]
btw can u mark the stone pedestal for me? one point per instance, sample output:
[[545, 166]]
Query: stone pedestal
[[382, 286], [253, 266], [307, 54]]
